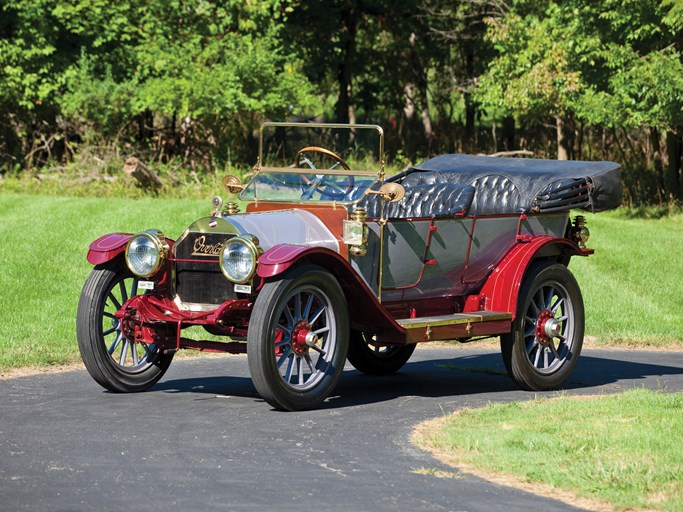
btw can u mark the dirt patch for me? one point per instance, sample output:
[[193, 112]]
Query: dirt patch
[[28, 371], [589, 343]]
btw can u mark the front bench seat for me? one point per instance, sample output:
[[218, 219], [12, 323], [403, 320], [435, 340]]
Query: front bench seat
[[426, 200]]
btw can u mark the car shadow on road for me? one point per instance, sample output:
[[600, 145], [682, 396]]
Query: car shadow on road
[[478, 374]]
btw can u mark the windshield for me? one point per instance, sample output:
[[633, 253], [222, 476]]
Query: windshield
[[308, 185]]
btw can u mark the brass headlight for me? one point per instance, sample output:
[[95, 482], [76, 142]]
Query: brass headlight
[[146, 252], [239, 257]]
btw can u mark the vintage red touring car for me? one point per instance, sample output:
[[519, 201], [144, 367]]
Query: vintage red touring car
[[331, 263]]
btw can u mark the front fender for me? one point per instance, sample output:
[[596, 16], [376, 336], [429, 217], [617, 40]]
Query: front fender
[[501, 290], [107, 247], [366, 313]]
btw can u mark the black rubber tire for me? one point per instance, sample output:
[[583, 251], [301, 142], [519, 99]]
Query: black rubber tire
[[90, 333], [517, 349], [386, 361], [262, 355]]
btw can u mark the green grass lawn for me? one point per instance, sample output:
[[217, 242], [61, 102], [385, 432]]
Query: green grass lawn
[[44, 243], [631, 286], [624, 449]]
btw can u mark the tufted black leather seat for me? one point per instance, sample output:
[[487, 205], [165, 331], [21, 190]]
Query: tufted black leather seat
[[491, 194], [496, 194], [426, 200]]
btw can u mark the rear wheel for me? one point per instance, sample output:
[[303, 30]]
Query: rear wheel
[[547, 335], [368, 357], [298, 339], [114, 361]]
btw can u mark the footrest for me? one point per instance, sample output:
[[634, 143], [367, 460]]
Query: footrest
[[458, 325]]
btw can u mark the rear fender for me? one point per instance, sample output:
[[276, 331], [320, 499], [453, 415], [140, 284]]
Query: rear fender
[[107, 247], [365, 311], [501, 290]]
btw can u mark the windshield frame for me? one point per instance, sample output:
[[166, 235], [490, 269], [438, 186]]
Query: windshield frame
[[378, 174]]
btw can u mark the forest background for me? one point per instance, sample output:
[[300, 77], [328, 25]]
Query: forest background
[[184, 84]]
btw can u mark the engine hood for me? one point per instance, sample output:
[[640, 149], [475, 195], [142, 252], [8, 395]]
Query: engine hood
[[295, 227]]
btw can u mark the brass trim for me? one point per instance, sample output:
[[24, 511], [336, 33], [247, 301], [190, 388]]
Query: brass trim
[[579, 232], [201, 226], [455, 319], [304, 170], [358, 215], [231, 208], [350, 126], [382, 222]]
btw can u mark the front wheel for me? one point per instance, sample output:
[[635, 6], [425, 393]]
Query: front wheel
[[547, 334], [368, 357], [114, 361], [298, 339]]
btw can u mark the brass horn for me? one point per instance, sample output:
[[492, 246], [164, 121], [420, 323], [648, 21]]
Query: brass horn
[[390, 192], [232, 184]]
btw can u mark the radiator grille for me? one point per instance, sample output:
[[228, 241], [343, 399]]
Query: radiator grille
[[201, 281]]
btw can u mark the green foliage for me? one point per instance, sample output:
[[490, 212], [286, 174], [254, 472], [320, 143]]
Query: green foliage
[[612, 63], [175, 80], [201, 71], [535, 73]]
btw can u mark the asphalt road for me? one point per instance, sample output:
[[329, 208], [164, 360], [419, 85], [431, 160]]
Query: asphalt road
[[202, 439]]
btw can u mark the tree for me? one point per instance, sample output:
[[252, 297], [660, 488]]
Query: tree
[[608, 63], [178, 75]]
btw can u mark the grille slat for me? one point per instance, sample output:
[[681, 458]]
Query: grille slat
[[201, 281]]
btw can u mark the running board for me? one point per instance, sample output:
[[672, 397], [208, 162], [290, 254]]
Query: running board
[[459, 325]]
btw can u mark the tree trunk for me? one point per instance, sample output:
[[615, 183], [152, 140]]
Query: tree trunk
[[145, 125], [145, 176], [562, 139], [349, 26], [470, 105], [426, 119], [657, 162], [673, 150], [507, 134], [416, 92]]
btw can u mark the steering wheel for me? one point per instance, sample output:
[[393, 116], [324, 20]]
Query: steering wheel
[[321, 183]]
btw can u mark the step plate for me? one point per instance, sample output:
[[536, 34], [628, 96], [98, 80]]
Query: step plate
[[459, 325]]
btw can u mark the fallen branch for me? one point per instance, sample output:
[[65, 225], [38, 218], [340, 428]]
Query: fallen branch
[[519, 152], [146, 177]]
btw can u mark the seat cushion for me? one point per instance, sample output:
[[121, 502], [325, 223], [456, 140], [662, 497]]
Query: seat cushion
[[426, 200]]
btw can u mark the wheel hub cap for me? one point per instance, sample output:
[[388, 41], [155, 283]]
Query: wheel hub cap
[[547, 327], [302, 338]]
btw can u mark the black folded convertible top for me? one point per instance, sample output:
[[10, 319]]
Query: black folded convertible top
[[524, 185]]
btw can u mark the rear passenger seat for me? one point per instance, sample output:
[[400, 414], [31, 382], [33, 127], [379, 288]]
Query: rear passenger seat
[[492, 194]]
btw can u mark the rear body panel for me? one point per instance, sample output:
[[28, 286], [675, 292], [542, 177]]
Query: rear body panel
[[429, 258]]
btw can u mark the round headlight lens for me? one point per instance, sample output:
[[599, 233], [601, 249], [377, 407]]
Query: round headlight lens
[[145, 254], [238, 260]]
